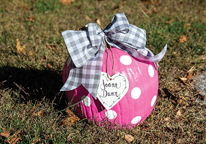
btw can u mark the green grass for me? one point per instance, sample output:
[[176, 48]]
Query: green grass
[[28, 81]]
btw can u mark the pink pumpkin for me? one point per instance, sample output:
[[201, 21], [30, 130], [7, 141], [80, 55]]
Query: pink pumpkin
[[137, 103]]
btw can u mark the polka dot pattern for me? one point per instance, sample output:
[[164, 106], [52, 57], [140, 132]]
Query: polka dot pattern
[[151, 71], [86, 100], [137, 103], [125, 60], [153, 100], [136, 119], [136, 92], [111, 114]]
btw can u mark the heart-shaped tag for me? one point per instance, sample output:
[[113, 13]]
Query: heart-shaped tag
[[111, 91]]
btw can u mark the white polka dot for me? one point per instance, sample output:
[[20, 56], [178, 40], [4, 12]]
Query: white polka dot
[[68, 61], [125, 60], [110, 114], [136, 92], [153, 100], [151, 71], [86, 100], [136, 119]]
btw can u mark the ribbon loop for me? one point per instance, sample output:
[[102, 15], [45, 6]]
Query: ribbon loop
[[123, 35], [95, 34], [119, 24], [83, 45]]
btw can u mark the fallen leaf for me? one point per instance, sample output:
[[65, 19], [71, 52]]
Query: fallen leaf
[[98, 22], [31, 53], [190, 73], [30, 19], [183, 79], [39, 114], [52, 46], [33, 109], [66, 2], [36, 141], [25, 7], [128, 138], [183, 39], [167, 119], [88, 18], [170, 21], [20, 50], [5, 133], [178, 140], [69, 136], [187, 25], [178, 114], [14, 138], [71, 119], [50, 66], [180, 102]]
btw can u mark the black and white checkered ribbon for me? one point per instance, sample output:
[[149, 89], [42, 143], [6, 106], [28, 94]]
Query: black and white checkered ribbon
[[86, 49]]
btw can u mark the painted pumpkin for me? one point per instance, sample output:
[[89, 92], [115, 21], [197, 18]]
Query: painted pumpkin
[[137, 102]]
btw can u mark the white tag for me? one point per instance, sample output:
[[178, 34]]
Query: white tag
[[110, 92]]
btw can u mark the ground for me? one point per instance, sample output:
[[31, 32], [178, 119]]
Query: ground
[[33, 52]]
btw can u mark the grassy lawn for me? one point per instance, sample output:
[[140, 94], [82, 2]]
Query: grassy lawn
[[33, 53]]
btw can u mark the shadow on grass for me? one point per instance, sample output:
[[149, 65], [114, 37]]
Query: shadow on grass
[[34, 85]]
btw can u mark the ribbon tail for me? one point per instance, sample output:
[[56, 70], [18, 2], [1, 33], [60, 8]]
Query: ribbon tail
[[150, 56], [160, 55], [71, 83], [87, 75]]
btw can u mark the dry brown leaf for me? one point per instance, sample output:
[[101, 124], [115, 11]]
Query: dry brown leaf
[[178, 114], [31, 53], [26, 7], [30, 19], [14, 138], [183, 79], [88, 18], [170, 21], [66, 2], [69, 136], [39, 114], [52, 46], [183, 39], [33, 109], [128, 138], [178, 140], [50, 66], [187, 25], [5, 133], [180, 101], [167, 119], [190, 73], [98, 22], [20, 50], [71, 119], [36, 141]]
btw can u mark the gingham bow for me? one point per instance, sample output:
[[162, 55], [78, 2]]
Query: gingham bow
[[86, 49]]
